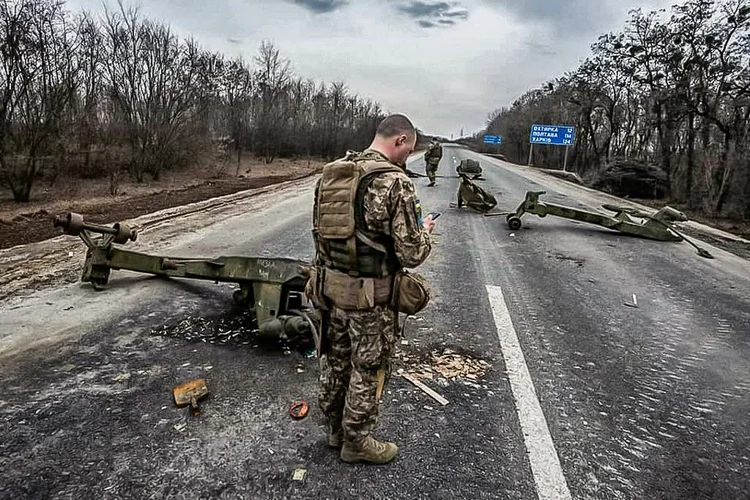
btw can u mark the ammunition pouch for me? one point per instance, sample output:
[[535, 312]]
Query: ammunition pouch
[[411, 293], [314, 288], [351, 293]]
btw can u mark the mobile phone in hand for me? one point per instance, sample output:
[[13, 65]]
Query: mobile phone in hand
[[434, 215]]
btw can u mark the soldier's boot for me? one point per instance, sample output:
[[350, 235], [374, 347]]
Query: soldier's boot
[[370, 450], [335, 435]]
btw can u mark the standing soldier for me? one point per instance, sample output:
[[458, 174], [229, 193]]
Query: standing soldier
[[367, 227], [432, 158]]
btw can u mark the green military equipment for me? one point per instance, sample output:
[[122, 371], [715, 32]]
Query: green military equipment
[[473, 196], [469, 167], [657, 226], [272, 288]]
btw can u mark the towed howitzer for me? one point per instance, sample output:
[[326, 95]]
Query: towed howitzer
[[657, 226], [272, 288]]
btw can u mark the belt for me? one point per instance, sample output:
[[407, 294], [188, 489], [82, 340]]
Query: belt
[[356, 293]]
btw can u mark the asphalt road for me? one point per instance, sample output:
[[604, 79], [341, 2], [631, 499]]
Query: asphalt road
[[585, 397]]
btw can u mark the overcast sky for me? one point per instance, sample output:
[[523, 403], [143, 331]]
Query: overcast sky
[[446, 64]]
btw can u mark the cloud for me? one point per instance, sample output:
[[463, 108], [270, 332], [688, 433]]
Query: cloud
[[458, 14], [423, 9], [433, 14], [445, 63], [577, 17], [540, 48], [322, 6]]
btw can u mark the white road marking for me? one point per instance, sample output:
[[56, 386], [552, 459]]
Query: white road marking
[[545, 464]]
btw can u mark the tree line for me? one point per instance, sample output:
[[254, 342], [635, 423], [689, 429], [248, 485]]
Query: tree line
[[669, 91], [95, 96]]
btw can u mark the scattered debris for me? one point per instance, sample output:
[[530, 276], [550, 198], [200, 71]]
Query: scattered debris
[[180, 427], [633, 304], [189, 393], [299, 475], [120, 377], [559, 256], [299, 410], [434, 395], [446, 364], [238, 329]]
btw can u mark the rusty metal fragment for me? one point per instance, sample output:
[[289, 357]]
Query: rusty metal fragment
[[190, 393]]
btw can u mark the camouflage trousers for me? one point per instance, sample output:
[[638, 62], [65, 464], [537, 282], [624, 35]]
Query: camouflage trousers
[[359, 344], [431, 170]]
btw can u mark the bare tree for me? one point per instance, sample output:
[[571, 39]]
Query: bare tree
[[122, 92], [670, 91], [38, 78]]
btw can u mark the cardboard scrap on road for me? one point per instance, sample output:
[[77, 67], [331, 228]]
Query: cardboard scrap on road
[[448, 365]]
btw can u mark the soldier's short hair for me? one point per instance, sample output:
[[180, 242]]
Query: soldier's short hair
[[396, 125]]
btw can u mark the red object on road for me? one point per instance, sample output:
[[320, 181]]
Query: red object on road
[[298, 409]]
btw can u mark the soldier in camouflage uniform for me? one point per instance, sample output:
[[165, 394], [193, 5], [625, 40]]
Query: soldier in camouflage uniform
[[360, 324], [432, 158]]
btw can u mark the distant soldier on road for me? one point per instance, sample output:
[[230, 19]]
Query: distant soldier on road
[[432, 158], [368, 226]]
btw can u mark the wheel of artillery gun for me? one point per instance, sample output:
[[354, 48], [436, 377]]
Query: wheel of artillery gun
[[124, 233], [311, 323], [514, 222]]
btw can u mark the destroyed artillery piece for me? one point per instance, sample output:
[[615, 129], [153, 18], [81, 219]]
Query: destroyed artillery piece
[[272, 288], [470, 167], [657, 226]]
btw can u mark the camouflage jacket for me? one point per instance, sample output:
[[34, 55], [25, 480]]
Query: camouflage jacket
[[391, 207]]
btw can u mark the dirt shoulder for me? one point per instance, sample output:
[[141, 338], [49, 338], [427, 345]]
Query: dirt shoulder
[[738, 228], [32, 222]]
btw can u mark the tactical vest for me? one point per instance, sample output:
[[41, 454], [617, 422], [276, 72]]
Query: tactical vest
[[435, 152], [342, 239]]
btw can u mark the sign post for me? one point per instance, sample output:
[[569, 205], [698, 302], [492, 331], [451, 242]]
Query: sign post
[[554, 135]]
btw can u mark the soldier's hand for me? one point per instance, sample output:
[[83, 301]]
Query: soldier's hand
[[428, 223]]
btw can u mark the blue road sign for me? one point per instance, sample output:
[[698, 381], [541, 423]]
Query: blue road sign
[[492, 139], [552, 134]]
